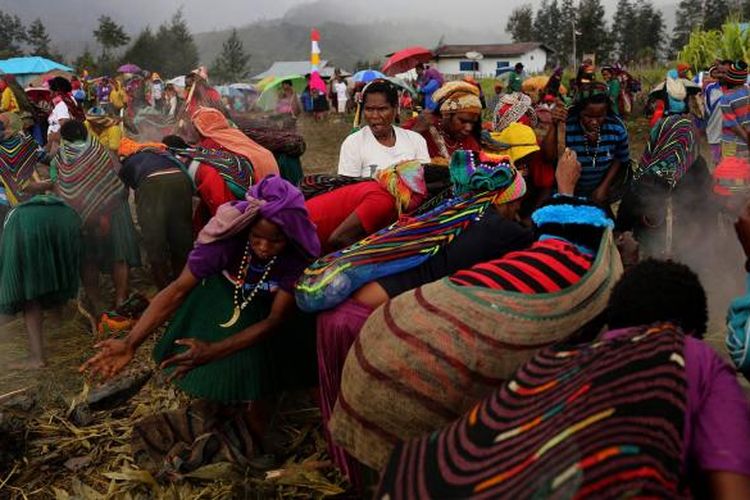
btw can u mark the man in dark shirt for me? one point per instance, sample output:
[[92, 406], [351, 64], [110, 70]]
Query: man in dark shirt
[[163, 201]]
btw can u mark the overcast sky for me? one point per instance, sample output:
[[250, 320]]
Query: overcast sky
[[207, 15]]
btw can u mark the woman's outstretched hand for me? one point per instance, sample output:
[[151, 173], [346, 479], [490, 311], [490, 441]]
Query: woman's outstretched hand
[[198, 353], [113, 356]]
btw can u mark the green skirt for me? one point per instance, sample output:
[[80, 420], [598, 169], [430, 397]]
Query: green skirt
[[40, 254], [285, 360], [290, 168], [120, 244]]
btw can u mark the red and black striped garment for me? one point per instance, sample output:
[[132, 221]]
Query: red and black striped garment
[[546, 267], [600, 420]]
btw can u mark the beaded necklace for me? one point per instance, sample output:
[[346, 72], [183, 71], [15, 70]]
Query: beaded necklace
[[596, 148], [239, 286]]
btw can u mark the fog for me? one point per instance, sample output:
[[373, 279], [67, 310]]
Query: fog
[[71, 18]]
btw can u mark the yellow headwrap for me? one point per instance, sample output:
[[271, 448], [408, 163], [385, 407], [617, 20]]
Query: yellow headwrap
[[518, 141], [457, 97]]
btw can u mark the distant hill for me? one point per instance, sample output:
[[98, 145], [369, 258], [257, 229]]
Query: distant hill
[[341, 44]]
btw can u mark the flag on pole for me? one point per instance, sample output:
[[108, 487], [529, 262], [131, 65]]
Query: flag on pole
[[316, 82]]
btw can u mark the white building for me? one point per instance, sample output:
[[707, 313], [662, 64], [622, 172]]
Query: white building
[[491, 59]]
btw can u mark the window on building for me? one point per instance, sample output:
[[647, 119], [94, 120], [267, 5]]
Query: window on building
[[468, 66], [503, 64]]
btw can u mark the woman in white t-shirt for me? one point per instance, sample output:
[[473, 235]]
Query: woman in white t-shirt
[[380, 144], [62, 100]]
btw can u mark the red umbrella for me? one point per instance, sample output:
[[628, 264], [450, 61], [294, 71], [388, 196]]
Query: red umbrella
[[404, 60]]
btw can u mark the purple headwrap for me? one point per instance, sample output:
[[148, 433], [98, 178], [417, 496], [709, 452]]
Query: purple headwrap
[[274, 199]]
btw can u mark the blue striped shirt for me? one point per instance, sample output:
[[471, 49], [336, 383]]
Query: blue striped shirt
[[613, 145]]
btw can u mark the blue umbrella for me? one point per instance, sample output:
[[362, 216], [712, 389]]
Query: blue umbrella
[[367, 75]]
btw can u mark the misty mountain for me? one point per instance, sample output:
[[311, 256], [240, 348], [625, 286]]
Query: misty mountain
[[351, 30], [341, 44], [368, 34]]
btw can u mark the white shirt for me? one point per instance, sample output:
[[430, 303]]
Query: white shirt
[[340, 88], [362, 155], [60, 112]]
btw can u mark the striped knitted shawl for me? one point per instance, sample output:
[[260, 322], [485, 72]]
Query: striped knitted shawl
[[671, 150], [603, 420], [403, 245], [316, 184], [86, 178], [425, 357], [18, 157], [236, 170]]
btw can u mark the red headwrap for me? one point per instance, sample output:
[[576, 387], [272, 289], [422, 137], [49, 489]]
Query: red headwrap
[[731, 176]]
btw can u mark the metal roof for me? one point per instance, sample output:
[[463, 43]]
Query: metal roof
[[489, 49]]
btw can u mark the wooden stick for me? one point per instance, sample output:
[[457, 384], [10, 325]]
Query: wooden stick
[[560, 139], [187, 103], [13, 393]]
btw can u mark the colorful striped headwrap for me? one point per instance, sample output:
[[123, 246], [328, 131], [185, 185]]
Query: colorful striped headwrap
[[86, 177], [405, 181], [671, 150], [736, 73], [18, 157], [236, 170], [512, 108], [411, 240]]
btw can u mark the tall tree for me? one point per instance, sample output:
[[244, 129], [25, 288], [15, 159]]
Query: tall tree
[[38, 39], [85, 62], [145, 51], [542, 21], [625, 31], [715, 13], [547, 26], [110, 35], [13, 35], [689, 17], [595, 38], [521, 24], [178, 52], [650, 29], [232, 64], [568, 21]]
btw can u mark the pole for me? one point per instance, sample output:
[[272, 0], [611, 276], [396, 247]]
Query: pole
[[575, 56]]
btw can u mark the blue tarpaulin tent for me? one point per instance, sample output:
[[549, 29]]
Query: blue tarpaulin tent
[[26, 68]]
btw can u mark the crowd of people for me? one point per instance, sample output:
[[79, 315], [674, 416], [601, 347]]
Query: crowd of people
[[465, 297]]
